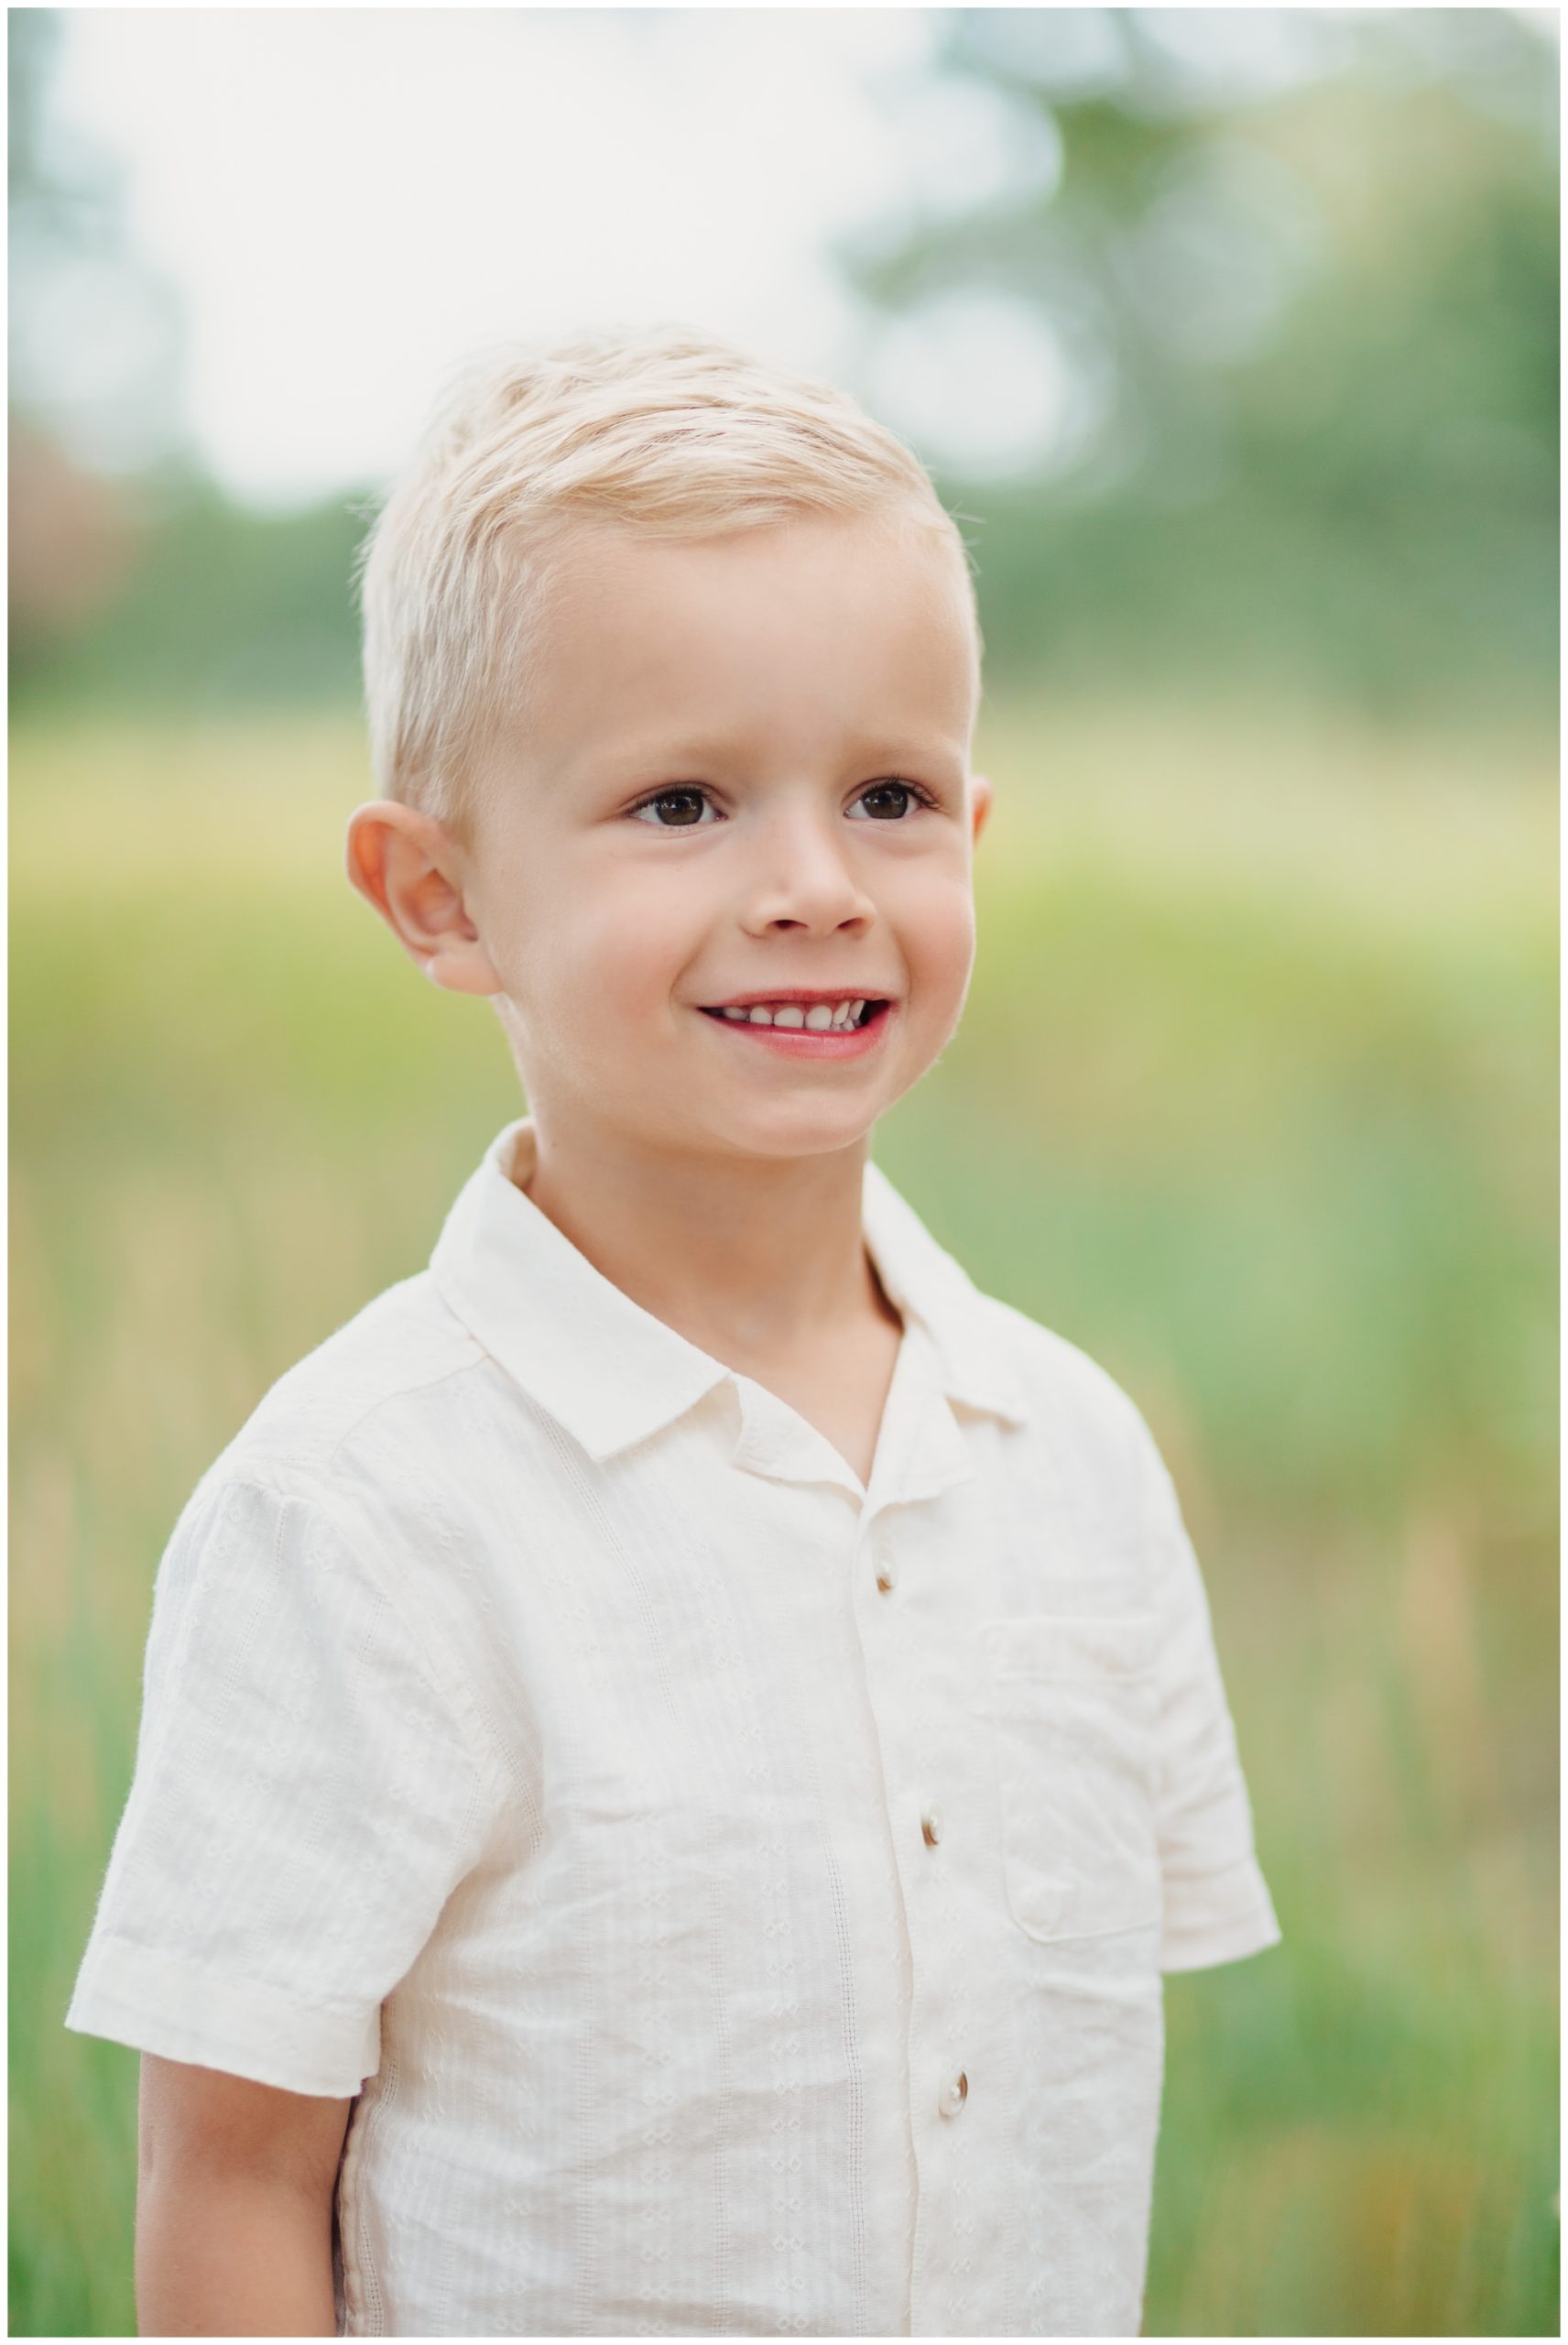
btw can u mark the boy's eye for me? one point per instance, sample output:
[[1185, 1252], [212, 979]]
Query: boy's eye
[[672, 808], [683, 808], [887, 801]]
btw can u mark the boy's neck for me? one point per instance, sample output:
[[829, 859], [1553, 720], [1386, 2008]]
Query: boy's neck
[[753, 1260]]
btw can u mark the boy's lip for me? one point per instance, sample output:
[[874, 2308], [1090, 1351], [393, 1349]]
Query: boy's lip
[[812, 1042]]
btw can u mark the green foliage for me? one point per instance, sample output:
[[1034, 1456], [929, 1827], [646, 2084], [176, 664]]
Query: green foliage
[[223, 607], [1357, 496], [1252, 1099]]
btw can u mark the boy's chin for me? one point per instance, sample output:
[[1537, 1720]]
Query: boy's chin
[[794, 1129]]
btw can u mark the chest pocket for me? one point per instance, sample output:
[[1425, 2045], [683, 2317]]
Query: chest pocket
[[1070, 1703]]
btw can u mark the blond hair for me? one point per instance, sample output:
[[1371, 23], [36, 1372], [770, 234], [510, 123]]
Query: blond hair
[[665, 432]]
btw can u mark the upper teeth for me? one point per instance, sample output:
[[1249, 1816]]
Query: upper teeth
[[818, 1016]]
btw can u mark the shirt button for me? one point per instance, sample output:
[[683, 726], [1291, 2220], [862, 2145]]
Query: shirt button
[[886, 1575], [954, 2095], [931, 1824]]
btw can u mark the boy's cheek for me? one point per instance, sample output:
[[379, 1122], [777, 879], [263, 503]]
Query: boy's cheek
[[586, 947], [938, 935]]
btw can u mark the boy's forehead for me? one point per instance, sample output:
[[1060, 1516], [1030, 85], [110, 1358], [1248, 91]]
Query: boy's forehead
[[866, 628], [601, 565]]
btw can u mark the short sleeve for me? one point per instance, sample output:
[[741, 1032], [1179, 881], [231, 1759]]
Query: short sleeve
[[308, 1792], [1217, 1905]]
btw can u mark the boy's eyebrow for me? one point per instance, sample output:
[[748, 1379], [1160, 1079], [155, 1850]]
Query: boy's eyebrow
[[683, 753]]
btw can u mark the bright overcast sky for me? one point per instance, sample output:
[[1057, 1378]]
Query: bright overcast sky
[[346, 200]]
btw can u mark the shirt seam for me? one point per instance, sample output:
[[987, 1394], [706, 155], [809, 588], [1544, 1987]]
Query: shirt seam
[[1252, 1932], [433, 1654], [478, 1354], [94, 1961], [1179, 1877]]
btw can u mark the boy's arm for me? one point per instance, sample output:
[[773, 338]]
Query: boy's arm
[[234, 2205]]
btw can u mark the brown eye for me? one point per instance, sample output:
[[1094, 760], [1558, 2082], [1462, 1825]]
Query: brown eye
[[887, 801], [672, 810]]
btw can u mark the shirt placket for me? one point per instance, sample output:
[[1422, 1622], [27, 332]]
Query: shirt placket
[[903, 1553], [904, 1559]]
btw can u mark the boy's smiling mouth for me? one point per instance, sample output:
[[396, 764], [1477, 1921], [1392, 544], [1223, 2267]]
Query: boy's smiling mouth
[[805, 1023]]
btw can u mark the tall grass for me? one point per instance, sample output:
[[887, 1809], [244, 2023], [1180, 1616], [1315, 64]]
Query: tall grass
[[1254, 1099]]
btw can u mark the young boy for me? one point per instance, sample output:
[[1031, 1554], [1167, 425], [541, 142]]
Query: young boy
[[678, 1743]]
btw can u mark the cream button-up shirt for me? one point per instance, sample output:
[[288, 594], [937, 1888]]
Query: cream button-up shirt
[[738, 1899]]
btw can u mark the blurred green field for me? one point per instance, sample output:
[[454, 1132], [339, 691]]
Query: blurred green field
[[1255, 1100]]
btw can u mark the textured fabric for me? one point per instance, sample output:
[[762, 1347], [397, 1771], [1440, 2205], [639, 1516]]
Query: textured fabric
[[741, 1896]]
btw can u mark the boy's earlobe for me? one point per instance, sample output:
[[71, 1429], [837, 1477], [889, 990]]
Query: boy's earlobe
[[464, 971], [982, 794], [405, 864]]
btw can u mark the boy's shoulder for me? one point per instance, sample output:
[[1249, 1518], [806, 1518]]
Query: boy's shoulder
[[1090, 1433], [385, 1374], [1059, 1374], [397, 1391], [1055, 1374], [1094, 1440]]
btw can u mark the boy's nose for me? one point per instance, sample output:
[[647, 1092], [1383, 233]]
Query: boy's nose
[[802, 878]]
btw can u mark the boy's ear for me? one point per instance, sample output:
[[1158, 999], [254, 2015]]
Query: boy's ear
[[981, 795], [408, 865]]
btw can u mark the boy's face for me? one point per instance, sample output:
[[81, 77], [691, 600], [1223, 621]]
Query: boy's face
[[744, 771]]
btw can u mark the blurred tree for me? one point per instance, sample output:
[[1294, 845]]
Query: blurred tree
[[225, 608], [69, 544], [95, 352], [1291, 284], [134, 579], [1232, 333], [96, 337]]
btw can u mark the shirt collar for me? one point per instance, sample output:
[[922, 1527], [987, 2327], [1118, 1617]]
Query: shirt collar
[[611, 1372]]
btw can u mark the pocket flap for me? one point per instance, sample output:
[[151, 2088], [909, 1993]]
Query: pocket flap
[[1059, 1645]]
